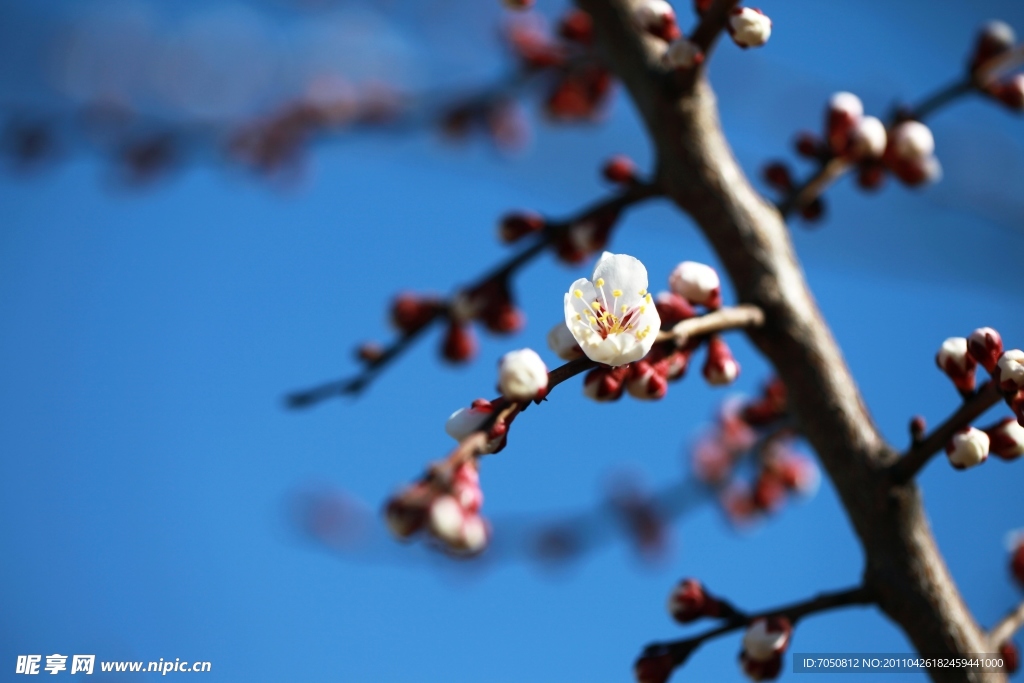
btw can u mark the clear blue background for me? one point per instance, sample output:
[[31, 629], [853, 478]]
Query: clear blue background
[[146, 340]]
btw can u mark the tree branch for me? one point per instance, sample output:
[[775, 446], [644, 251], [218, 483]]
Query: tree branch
[[907, 467], [712, 23], [1006, 627], [903, 566], [734, 317]]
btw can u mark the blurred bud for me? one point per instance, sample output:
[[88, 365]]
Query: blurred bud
[[777, 175], [459, 345], [370, 352], [720, 367], [985, 346], [406, 512], [763, 644], [1011, 657], [958, 365], [911, 141], [918, 428], [697, 283], [654, 667], [522, 375], [968, 448], [657, 18], [503, 317], [749, 27], [465, 421], [1017, 561], [577, 26], [683, 54], [994, 38], [620, 169], [466, 486], [1006, 439], [711, 461], [868, 139], [689, 602], [871, 175], [445, 520], [514, 226], [586, 236], [799, 474], [844, 113], [813, 210], [1009, 371], [914, 172], [808, 144], [769, 491], [411, 312]]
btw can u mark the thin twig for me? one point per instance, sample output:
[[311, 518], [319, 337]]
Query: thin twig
[[907, 467], [553, 232], [1006, 627], [742, 315], [683, 648]]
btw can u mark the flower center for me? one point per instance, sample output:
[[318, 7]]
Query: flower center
[[607, 318]]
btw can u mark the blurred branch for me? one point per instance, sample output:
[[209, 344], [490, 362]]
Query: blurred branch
[[712, 23], [1006, 627]]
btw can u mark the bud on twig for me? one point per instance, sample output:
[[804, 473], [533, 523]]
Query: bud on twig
[[697, 283], [1006, 439], [721, 367], [620, 169], [749, 27], [958, 365], [658, 18], [522, 375], [1009, 371], [459, 345], [683, 54], [689, 602], [515, 226], [994, 39], [985, 346], [968, 448]]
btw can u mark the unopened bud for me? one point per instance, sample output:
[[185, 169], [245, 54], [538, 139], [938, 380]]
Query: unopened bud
[[845, 111], [658, 18], [605, 384], [459, 345], [968, 448], [689, 602], [654, 667], [994, 39], [749, 27], [1006, 439], [912, 141], [918, 428], [445, 520], [1010, 92], [515, 226], [808, 144], [871, 175], [958, 365], [720, 367], [564, 345], [683, 54], [522, 375], [577, 26], [620, 169], [778, 176], [1009, 370], [766, 637], [647, 382], [868, 139], [410, 312], [985, 346], [1011, 657], [697, 283], [673, 309]]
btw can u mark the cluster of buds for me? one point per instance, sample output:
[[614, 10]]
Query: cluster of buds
[[764, 642], [747, 26], [753, 431], [959, 358], [446, 504], [995, 40]]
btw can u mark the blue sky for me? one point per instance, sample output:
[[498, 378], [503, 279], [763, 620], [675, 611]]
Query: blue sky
[[146, 340]]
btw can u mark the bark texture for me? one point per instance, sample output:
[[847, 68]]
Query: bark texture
[[903, 569]]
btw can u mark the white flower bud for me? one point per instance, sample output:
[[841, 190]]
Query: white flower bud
[[522, 375], [749, 27], [697, 283], [465, 421], [563, 344], [846, 103], [952, 355], [474, 535], [446, 517], [1006, 439], [1011, 369], [913, 141], [868, 138], [967, 448], [762, 641], [683, 54], [651, 13]]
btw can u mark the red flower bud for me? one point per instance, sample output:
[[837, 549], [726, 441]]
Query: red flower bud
[[654, 667], [459, 343], [870, 175], [1011, 657], [720, 367], [777, 175], [515, 226], [410, 312], [577, 26], [985, 346], [689, 602], [994, 39], [620, 169], [808, 145]]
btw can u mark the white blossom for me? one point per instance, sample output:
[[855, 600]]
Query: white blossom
[[612, 316], [868, 138], [522, 375]]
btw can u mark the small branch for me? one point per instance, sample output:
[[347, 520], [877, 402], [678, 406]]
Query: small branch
[[711, 25], [682, 649], [1006, 627], [907, 467], [735, 317], [932, 103], [553, 232]]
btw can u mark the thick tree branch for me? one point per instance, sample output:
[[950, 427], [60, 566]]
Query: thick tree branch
[[907, 467], [903, 567]]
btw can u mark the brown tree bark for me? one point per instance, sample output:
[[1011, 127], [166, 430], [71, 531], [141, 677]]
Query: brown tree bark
[[904, 569]]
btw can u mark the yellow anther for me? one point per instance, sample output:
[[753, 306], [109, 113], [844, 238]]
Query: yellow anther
[[578, 294], [625, 308], [600, 282], [643, 292], [592, 319], [596, 306], [643, 309], [579, 317], [647, 298], [616, 292]]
